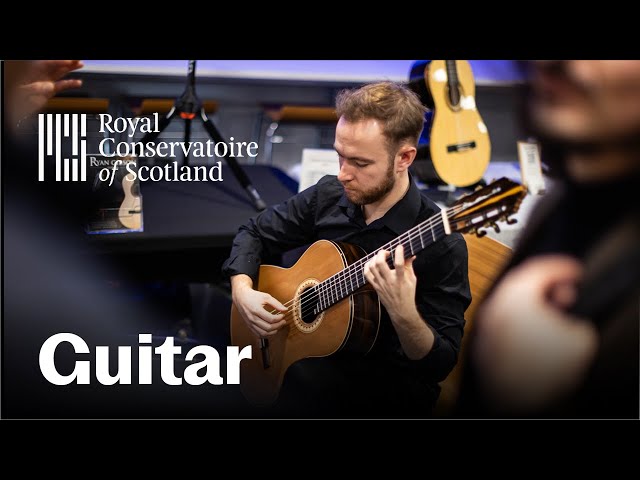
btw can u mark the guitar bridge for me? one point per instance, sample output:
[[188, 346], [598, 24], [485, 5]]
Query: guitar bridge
[[461, 147]]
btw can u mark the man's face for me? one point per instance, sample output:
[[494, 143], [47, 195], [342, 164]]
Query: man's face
[[366, 171], [586, 100]]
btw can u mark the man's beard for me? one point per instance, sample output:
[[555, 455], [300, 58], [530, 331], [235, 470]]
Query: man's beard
[[376, 193]]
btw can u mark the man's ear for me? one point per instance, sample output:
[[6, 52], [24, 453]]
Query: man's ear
[[406, 156]]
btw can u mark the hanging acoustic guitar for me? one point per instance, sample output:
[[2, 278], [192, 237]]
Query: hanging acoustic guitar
[[459, 140]]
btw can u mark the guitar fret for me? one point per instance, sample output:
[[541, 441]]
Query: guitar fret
[[343, 283]]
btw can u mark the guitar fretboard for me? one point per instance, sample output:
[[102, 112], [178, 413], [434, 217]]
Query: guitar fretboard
[[452, 82], [347, 281], [485, 206]]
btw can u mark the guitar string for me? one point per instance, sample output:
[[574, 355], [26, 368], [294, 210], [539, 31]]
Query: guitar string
[[334, 280], [328, 285], [427, 225], [357, 270], [308, 305], [357, 276], [406, 240], [433, 224], [331, 282]]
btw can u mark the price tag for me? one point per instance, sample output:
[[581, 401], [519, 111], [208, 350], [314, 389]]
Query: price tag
[[530, 167]]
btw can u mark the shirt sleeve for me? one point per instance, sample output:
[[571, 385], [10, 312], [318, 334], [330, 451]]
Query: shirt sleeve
[[442, 296], [274, 231]]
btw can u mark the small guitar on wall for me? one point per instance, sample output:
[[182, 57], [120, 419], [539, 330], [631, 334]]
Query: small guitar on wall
[[459, 141], [115, 205], [330, 305], [130, 211]]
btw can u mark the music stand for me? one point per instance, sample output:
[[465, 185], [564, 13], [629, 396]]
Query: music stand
[[187, 106]]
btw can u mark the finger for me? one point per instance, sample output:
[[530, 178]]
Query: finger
[[38, 88], [383, 272], [76, 64], [368, 274], [273, 329], [62, 85], [261, 333], [275, 319], [59, 68], [280, 324], [371, 266], [544, 273], [377, 262], [268, 317], [399, 260], [408, 265], [275, 303], [563, 295], [258, 323], [264, 325]]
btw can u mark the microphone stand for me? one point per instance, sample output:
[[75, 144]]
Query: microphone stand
[[187, 106]]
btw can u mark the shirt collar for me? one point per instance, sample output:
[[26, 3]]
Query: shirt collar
[[401, 217]]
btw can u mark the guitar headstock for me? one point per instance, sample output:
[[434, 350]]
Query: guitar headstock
[[494, 203]]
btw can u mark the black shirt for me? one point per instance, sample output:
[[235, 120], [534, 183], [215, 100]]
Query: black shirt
[[442, 293]]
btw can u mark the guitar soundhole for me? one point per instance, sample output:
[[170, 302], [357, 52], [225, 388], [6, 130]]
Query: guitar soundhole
[[308, 305], [306, 316]]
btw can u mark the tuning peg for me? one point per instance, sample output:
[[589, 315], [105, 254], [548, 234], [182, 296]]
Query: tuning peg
[[511, 221], [496, 227], [481, 233]]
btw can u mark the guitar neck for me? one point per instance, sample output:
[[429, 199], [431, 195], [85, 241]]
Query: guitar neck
[[486, 206], [350, 279], [452, 82]]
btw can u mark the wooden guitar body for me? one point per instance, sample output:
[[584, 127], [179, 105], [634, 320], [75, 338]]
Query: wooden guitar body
[[459, 141], [351, 324]]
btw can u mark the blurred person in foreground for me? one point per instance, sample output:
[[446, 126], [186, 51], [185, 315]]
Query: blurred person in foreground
[[54, 284], [558, 334]]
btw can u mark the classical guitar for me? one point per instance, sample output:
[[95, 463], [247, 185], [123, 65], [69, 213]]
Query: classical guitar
[[330, 305], [459, 141], [130, 211]]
